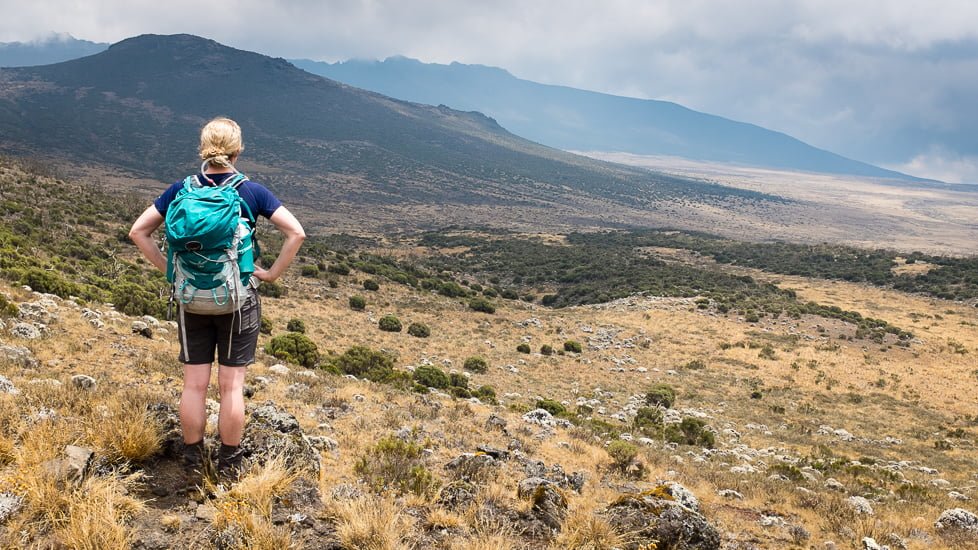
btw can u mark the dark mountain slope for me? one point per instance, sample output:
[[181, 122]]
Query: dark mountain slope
[[139, 106]]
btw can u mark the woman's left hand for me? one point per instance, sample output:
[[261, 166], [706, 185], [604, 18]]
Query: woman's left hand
[[263, 275]]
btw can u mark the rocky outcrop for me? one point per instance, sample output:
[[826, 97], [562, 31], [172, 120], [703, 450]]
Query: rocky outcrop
[[665, 516], [18, 356], [271, 432], [548, 503]]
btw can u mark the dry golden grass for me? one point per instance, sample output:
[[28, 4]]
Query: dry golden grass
[[583, 530], [97, 515], [371, 523], [125, 430]]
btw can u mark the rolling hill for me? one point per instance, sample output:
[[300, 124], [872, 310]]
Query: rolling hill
[[137, 107], [573, 119]]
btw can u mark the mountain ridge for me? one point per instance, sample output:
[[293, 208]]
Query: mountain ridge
[[556, 115]]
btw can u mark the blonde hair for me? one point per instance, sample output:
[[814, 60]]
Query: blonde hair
[[220, 139]]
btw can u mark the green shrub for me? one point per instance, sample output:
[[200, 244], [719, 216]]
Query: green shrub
[[476, 364], [295, 348], [547, 349], [691, 431], [696, 364], [419, 330], [460, 393], [481, 304], [648, 418], [622, 454], [489, 293], [486, 394], [451, 289], [458, 380], [271, 290], [551, 406], [363, 362], [662, 395], [266, 325], [310, 271], [573, 345], [431, 376], [389, 323], [7, 308], [398, 465], [333, 283], [135, 300], [370, 284], [49, 282], [357, 303], [296, 325], [339, 268], [523, 348]]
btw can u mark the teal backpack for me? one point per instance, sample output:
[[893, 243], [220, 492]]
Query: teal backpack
[[210, 246]]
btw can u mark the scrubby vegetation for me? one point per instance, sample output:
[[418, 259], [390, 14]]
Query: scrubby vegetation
[[389, 323], [294, 347], [476, 364], [419, 330]]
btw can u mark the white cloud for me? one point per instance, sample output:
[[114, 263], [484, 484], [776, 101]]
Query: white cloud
[[941, 165]]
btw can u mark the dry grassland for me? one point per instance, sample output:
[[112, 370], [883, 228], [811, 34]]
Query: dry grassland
[[807, 378]]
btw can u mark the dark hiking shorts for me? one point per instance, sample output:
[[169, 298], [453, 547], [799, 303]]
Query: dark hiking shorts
[[234, 336]]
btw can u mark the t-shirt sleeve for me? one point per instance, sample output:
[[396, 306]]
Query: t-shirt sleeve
[[162, 203], [266, 202]]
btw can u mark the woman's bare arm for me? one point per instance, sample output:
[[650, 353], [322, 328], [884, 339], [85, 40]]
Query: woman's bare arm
[[294, 235], [141, 234]]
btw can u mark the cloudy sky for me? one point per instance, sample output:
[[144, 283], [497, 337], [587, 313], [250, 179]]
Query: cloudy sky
[[892, 82]]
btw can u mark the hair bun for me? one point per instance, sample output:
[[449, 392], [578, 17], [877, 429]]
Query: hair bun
[[212, 152]]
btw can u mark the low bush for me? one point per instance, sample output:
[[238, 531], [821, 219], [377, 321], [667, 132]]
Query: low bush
[[7, 308], [296, 325], [419, 330], [622, 454], [661, 395], [266, 325], [482, 305], [648, 419], [691, 431], [546, 349], [370, 284], [486, 394], [339, 268], [389, 323], [295, 348], [363, 362], [431, 376], [397, 465], [357, 303], [310, 271], [458, 380], [476, 364], [271, 290], [573, 346], [551, 406], [523, 348]]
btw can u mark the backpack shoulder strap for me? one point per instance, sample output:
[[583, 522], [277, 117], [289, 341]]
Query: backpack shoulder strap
[[191, 182]]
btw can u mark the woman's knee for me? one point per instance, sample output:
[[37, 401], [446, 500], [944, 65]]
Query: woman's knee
[[230, 379]]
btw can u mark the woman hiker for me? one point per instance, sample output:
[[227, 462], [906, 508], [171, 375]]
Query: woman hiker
[[234, 336]]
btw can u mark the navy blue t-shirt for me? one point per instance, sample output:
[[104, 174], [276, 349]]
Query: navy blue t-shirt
[[259, 199]]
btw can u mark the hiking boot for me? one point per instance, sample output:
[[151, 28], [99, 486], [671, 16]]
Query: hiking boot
[[229, 461], [194, 456]]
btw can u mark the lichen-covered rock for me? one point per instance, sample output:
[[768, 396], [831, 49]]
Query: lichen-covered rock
[[656, 516], [9, 505], [473, 466], [957, 519], [37, 312], [6, 386], [555, 473], [271, 432], [549, 504], [457, 495], [83, 382], [18, 356], [142, 329], [26, 331]]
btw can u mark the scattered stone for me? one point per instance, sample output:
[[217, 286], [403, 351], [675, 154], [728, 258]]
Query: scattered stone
[[151, 321], [861, 505], [25, 331], [83, 382], [869, 543], [6, 386], [323, 443], [73, 466], [18, 356], [206, 512], [834, 484], [498, 454], [457, 495], [37, 312], [472, 466], [549, 504], [346, 491], [142, 329], [496, 423], [731, 494], [954, 495], [279, 369], [9, 505], [957, 519]]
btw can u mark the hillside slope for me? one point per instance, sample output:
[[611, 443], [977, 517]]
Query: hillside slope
[[138, 106], [580, 120]]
